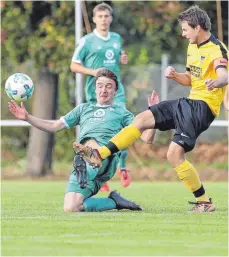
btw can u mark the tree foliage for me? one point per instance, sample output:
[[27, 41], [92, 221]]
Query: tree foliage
[[40, 35]]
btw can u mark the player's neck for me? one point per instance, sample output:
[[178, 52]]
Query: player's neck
[[103, 104], [204, 37], [102, 33]]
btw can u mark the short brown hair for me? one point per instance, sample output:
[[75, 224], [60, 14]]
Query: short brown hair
[[102, 7], [107, 74], [196, 16]]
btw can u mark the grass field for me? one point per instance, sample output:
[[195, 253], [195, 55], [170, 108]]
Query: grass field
[[34, 224]]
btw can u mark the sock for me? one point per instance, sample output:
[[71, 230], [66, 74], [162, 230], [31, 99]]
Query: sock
[[98, 204], [189, 176], [126, 137], [122, 159]]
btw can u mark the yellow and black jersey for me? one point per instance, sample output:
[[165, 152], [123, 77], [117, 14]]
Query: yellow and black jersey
[[200, 63]]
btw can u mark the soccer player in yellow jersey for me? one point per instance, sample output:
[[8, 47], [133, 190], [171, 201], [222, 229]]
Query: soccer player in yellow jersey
[[207, 59]]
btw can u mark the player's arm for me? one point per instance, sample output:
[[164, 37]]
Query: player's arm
[[79, 68], [22, 114], [183, 79], [124, 58], [78, 59], [226, 99], [220, 66], [148, 135]]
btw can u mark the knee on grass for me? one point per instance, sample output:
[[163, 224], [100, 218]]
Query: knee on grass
[[73, 202]]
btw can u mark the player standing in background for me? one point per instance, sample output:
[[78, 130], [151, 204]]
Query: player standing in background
[[207, 62], [99, 49]]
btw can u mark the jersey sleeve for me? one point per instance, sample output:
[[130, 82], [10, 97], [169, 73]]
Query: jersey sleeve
[[127, 118], [72, 118], [187, 62], [80, 52], [219, 52], [220, 57]]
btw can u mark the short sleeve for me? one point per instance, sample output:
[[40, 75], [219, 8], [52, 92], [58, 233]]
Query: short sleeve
[[80, 52], [72, 118], [219, 52]]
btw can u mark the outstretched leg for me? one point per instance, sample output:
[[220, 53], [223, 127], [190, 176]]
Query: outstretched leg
[[125, 138]]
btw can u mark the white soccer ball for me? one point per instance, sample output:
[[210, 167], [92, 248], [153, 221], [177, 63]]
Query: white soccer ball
[[19, 87]]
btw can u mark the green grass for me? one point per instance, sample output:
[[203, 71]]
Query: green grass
[[34, 224]]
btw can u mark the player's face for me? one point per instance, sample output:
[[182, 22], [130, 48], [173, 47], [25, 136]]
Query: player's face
[[105, 90], [103, 20], [190, 33]]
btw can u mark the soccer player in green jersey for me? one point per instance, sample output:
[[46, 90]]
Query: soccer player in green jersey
[[98, 123], [99, 49]]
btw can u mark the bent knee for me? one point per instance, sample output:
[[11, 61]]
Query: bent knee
[[73, 202], [144, 120]]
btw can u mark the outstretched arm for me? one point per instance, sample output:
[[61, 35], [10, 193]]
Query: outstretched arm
[[22, 114], [183, 79], [148, 135]]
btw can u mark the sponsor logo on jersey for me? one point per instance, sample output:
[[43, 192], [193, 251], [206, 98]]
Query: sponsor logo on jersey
[[110, 61], [202, 58], [109, 54], [99, 113], [195, 71]]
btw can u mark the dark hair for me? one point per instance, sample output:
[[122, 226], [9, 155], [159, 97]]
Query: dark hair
[[196, 16], [102, 7], [107, 74]]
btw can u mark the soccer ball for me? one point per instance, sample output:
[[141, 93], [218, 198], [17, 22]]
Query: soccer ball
[[19, 87]]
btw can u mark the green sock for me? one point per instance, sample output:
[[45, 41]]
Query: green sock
[[122, 159], [98, 204]]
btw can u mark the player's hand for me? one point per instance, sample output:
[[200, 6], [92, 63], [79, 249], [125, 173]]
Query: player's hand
[[153, 99], [17, 111], [96, 71], [124, 58], [170, 72], [211, 84]]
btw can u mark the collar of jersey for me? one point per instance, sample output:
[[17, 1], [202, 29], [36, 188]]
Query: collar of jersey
[[98, 35], [99, 105], [205, 42]]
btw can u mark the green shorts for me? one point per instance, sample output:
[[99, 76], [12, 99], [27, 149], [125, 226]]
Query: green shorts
[[96, 177]]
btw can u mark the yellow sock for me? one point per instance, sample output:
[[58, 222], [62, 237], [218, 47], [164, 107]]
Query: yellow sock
[[189, 176], [104, 152], [121, 141]]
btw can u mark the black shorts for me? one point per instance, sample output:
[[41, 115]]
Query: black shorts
[[188, 117]]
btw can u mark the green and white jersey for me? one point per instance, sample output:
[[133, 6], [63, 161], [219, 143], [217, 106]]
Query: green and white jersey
[[98, 122], [94, 51]]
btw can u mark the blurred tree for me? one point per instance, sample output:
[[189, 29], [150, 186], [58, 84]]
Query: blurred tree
[[38, 31], [40, 35]]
